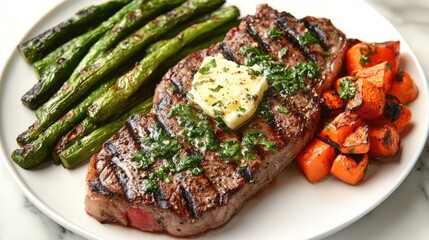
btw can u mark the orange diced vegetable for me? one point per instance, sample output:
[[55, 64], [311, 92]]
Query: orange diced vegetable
[[404, 88], [400, 115], [350, 168], [384, 141], [380, 75], [369, 100], [362, 55], [357, 142], [316, 159], [332, 102], [336, 131]]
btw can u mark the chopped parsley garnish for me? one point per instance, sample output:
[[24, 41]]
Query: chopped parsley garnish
[[283, 79], [326, 53], [347, 89], [157, 144], [254, 73], [307, 39], [252, 139], [264, 110], [216, 89], [197, 129], [230, 150], [274, 32], [190, 163], [253, 97], [281, 110], [206, 68], [241, 109], [366, 53], [217, 104], [283, 52]]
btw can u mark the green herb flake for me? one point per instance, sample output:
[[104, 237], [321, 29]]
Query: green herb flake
[[286, 80], [347, 89], [254, 73], [241, 109], [282, 110], [216, 89], [189, 162], [282, 53], [274, 33], [307, 39], [366, 53], [252, 97], [217, 104], [206, 68], [326, 53], [230, 150]]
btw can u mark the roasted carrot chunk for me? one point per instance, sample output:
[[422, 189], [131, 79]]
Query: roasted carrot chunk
[[384, 141], [398, 114], [380, 75], [316, 159], [332, 102], [357, 142], [404, 88], [336, 131], [362, 55], [369, 100], [350, 168]]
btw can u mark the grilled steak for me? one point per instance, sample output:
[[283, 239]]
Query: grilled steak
[[189, 197]]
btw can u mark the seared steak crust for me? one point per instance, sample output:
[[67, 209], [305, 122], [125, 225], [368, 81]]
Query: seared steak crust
[[191, 204]]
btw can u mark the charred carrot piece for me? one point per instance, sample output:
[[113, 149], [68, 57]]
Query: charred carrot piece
[[363, 54], [357, 142], [350, 168], [369, 100], [384, 141], [381, 75], [336, 131], [404, 87], [316, 159], [394, 113], [332, 103]]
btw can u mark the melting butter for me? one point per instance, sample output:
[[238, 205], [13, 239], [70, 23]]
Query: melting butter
[[227, 90]]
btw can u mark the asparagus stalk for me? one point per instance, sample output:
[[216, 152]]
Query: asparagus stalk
[[87, 126], [40, 45], [90, 144], [35, 153], [126, 85], [128, 47], [54, 76]]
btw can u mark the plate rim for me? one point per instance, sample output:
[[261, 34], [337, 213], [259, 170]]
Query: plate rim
[[11, 167]]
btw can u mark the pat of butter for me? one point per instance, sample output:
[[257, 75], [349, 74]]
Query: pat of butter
[[224, 89]]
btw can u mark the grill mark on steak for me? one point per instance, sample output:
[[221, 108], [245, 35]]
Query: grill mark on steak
[[317, 31], [284, 21], [251, 30], [188, 204], [226, 52]]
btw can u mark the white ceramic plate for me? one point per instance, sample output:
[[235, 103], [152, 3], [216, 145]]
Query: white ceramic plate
[[291, 208]]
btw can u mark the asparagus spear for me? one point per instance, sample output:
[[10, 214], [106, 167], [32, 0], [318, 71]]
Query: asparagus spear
[[126, 85], [88, 145], [34, 153], [68, 95], [38, 46], [54, 76]]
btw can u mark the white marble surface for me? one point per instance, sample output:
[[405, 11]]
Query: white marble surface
[[403, 215]]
